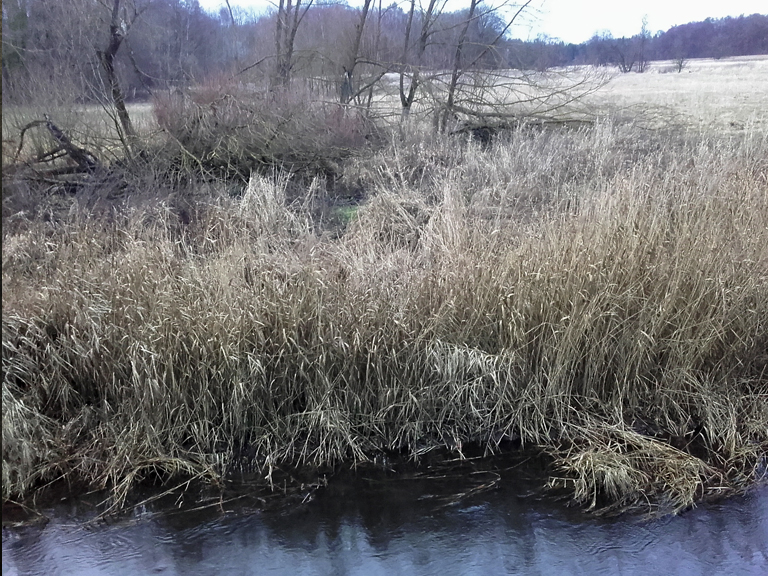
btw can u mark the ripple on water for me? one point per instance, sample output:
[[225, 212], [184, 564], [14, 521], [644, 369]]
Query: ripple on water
[[367, 533]]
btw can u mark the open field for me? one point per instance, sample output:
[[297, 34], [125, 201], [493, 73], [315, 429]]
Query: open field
[[599, 294], [726, 95]]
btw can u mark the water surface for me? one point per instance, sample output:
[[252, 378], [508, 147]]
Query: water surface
[[397, 527]]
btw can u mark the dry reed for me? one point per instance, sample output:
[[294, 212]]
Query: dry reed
[[601, 294]]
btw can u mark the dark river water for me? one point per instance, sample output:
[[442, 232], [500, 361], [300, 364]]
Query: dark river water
[[397, 527]]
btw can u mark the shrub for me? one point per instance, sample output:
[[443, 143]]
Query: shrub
[[230, 132]]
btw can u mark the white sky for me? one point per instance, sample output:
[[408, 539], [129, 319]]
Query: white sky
[[577, 20]]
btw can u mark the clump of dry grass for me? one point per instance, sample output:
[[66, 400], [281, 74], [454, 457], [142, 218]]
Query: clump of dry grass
[[613, 468], [609, 307]]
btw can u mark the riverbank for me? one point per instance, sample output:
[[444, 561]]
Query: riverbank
[[599, 294]]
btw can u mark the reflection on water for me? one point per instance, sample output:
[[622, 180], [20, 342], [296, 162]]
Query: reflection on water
[[393, 528]]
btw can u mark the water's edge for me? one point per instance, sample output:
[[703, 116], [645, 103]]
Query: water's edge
[[478, 522]]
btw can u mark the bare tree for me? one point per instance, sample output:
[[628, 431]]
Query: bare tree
[[235, 33], [680, 63], [642, 56], [460, 66], [118, 30], [625, 58], [348, 67], [289, 18], [426, 30]]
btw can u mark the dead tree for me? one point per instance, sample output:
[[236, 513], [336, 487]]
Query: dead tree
[[642, 57], [484, 101], [458, 69], [83, 160], [625, 58]]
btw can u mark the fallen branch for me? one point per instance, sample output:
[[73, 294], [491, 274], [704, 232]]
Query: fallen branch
[[85, 161]]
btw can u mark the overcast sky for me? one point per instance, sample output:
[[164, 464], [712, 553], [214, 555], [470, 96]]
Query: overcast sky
[[577, 20]]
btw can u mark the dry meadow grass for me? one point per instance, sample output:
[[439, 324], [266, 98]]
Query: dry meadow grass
[[599, 294], [724, 96]]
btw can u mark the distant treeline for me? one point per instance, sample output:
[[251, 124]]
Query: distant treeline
[[55, 50], [712, 38]]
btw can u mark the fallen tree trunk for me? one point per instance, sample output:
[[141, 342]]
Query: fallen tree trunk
[[84, 160]]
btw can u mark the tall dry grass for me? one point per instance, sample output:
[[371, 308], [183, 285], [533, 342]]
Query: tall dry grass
[[600, 294]]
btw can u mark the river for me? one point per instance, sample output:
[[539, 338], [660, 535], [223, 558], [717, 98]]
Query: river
[[398, 526]]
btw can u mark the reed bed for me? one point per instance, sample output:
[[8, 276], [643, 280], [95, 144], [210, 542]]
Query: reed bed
[[598, 294]]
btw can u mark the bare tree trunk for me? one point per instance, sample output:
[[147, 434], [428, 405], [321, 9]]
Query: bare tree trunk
[[348, 68], [376, 55], [458, 69], [407, 99], [279, 74], [289, 17], [642, 61], [117, 32], [234, 33]]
